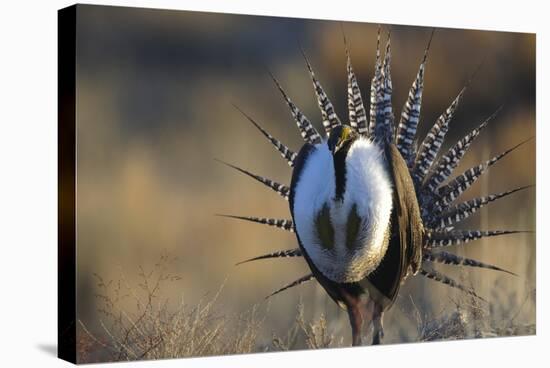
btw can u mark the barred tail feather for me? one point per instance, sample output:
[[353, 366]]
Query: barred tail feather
[[283, 224], [410, 116], [279, 254], [376, 89], [286, 152], [301, 280], [464, 210], [446, 164], [280, 189], [357, 112], [307, 130], [330, 119], [455, 260], [437, 276], [451, 191], [384, 129], [436, 239], [434, 140]]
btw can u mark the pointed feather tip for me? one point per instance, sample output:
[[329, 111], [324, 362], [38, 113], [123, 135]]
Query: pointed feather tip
[[244, 113], [223, 162], [474, 74], [224, 215], [491, 117], [232, 216], [344, 36], [525, 187], [427, 49], [242, 262], [523, 142], [251, 120], [308, 64], [509, 150], [234, 167], [272, 76], [506, 271], [378, 34]]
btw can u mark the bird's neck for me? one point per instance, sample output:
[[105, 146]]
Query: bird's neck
[[339, 159]]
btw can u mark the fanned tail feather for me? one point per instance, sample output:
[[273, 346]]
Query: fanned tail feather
[[444, 238], [279, 254], [283, 224], [286, 152], [451, 191], [376, 89], [301, 280], [446, 164], [410, 116], [280, 189], [437, 276], [386, 130], [330, 119], [464, 210], [357, 112], [307, 130], [434, 140], [453, 259]]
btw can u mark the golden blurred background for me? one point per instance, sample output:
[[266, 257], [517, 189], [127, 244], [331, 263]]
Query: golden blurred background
[[154, 108]]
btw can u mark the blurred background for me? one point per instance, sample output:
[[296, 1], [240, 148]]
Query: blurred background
[[154, 108]]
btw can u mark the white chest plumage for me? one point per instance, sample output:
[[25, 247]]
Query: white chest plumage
[[368, 192]]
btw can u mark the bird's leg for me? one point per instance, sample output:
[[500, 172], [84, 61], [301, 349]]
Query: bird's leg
[[356, 321], [359, 312], [378, 327]]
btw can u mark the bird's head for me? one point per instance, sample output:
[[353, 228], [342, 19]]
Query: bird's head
[[341, 136]]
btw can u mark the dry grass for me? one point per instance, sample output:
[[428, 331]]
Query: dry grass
[[155, 328], [158, 329]]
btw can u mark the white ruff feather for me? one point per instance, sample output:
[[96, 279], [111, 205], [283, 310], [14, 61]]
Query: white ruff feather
[[368, 186]]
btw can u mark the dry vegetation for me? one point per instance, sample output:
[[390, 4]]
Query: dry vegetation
[[157, 328]]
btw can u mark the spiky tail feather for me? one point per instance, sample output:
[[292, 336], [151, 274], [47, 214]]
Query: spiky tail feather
[[300, 281], [286, 152], [410, 116], [330, 119], [375, 88], [308, 132], [448, 162], [289, 253], [439, 277], [282, 224], [280, 189], [455, 260], [446, 238], [382, 129], [433, 141], [452, 190], [357, 112], [464, 210]]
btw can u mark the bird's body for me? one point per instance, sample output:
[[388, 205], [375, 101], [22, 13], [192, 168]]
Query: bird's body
[[344, 225], [369, 206]]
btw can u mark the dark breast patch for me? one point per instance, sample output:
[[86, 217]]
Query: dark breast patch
[[352, 227], [324, 228]]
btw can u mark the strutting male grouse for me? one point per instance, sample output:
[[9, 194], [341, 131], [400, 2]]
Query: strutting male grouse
[[369, 206]]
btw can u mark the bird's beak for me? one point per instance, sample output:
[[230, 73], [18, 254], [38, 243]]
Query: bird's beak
[[337, 142]]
